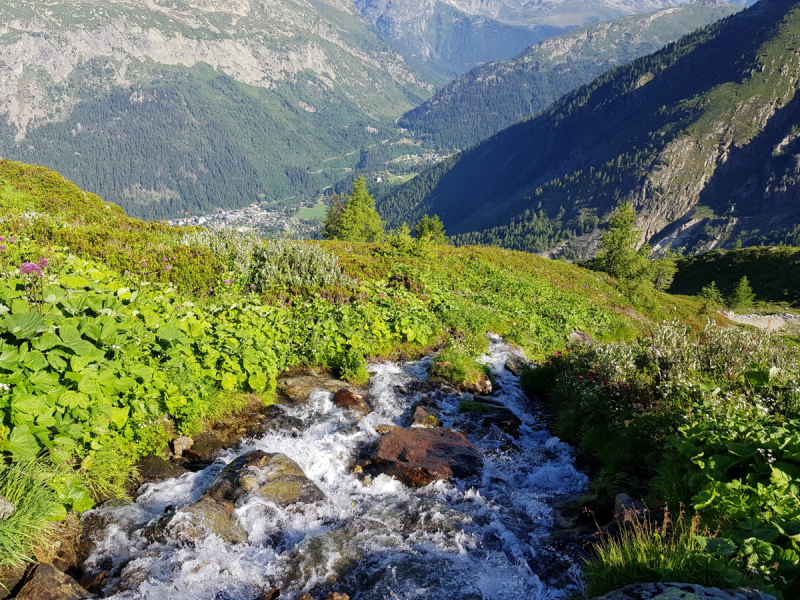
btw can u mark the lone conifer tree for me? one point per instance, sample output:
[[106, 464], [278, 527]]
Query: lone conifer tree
[[742, 295], [618, 255], [431, 229], [353, 219]]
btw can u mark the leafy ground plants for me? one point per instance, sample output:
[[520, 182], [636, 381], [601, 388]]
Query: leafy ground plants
[[708, 421]]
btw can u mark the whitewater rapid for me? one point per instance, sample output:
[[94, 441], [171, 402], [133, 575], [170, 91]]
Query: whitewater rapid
[[484, 537]]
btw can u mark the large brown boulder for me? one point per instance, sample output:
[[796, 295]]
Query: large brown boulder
[[153, 469], [419, 455], [299, 382], [48, 583]]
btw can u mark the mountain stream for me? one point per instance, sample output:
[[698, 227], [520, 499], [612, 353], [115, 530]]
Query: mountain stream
[[373, 538]]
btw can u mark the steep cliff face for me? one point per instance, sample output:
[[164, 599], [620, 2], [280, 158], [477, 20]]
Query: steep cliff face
[[297, 56], [496, 95], [701, 131], [450, 36]]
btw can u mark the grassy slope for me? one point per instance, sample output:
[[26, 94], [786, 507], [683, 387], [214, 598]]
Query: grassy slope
[[773, 272], [110, 300]]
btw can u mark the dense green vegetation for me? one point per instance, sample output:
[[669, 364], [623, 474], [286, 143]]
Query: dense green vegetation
[[116, 335], [644, 133], [704, 421], [773, 273], [496, 95]]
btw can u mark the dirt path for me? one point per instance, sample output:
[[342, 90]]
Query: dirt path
[[767, 322]]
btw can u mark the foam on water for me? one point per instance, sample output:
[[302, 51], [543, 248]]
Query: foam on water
[[468, 539]]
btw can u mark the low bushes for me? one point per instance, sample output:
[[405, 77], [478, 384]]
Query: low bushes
[[709, 421]]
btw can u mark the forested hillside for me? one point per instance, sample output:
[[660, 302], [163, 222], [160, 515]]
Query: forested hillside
[[494, 96], [700, 136], [193, 106]]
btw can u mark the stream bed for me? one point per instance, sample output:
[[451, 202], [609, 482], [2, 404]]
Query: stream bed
[[483, 537]]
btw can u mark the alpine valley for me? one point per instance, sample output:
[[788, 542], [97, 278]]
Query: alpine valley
[[163, 108], [701, 137]]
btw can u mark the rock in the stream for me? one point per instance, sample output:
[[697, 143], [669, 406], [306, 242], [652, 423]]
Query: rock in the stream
[[419, 455], [9, 578], [424, 417], [48, 583], [298, 383], [95, 582], [7, 508], [346, 398], [274, 477], [682, 591], [153, 469], [181, 444]]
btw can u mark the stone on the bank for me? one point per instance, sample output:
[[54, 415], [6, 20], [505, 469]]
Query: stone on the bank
[[181, 444], [274, 477], [154, 469], [419, 455], [7, 508], [581, 337], [48, 583], [300, 382], [346, 398], [682, 591]]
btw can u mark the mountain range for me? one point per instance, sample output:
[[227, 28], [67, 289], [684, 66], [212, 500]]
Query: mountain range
[[701, 137], [164, 107], [496, 95], [453, 36]]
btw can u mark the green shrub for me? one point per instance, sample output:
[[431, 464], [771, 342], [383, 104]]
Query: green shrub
[[457, 367], [350, 365], [288, 265], [645, 552], [742, 295], [480, 407]]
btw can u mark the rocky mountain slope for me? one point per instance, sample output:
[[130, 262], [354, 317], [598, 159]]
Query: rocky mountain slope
[[453, 36], [183, 105], [496, 95], [701, 137]]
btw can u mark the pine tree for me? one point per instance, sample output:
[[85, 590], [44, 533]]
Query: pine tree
[[353, 219], [742, 295], [431, 229], [711, 294], [618, 255]]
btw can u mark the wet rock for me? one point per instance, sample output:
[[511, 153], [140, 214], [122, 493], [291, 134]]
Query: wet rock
[[337, 596], [272, 594], [346, 398], [299, 384], [383, 429], [48, 583], [505, 420], [515, 364], [682, 591], [581, 337], [95, 582], [153, 469], [7, 508], [274, 418], [181, 444], [196, 522], [274, 477], [424, 417], [419, 455]]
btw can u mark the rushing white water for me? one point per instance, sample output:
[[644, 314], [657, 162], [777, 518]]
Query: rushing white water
[[464, 539]]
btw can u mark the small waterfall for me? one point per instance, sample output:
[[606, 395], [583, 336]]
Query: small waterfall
[[483, 537]]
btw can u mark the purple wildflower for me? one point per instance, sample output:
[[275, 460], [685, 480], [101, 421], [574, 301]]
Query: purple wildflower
[[165, 259], [168, 267], [2, 239], [12, 239], [29, 269], [43, 262], [2, 248]]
